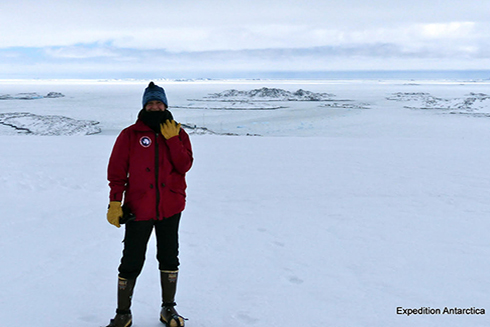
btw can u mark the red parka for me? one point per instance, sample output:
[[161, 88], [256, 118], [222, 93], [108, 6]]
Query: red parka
[[149, 171]]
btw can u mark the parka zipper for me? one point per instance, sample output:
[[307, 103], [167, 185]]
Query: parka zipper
[[156, 177]]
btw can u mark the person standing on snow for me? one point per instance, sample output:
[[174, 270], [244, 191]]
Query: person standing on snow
[[147, 168]]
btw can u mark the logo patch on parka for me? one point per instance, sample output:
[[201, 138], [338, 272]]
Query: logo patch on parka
[[145, 141]]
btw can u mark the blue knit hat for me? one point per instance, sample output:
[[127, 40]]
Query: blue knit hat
[[154, 92]]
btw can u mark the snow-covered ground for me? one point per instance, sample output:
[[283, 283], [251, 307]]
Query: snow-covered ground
[[342, 211]]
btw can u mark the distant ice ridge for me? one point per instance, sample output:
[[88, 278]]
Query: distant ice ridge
[[343, 105], [267, 94], [473, 103], [27, 123], [30, 96], [256, 99], [231, 105]]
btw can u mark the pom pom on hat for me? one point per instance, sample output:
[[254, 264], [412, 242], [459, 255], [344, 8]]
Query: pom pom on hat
[[154, 92]]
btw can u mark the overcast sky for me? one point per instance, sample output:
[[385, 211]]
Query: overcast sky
[[183, 38]]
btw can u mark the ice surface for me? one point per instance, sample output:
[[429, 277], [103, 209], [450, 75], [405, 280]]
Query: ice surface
[[334, 217], [231, 105], [25, 122]]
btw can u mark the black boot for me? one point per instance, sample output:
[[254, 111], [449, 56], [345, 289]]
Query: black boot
[[123, 316], [169, 315]]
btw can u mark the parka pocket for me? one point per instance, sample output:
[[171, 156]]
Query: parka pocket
[[177, 184]]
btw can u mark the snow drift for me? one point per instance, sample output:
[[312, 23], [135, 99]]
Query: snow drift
[[268, 94], [30, 96], [28, 123]]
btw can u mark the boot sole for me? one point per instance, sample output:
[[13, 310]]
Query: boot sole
[[127, 325], [180, 324]]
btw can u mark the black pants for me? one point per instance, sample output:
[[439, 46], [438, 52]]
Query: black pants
[[136, 240]]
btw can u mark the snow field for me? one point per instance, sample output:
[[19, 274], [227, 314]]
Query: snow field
[[387, 208]]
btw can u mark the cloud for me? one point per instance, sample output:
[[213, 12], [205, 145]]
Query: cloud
[[186, 25], [80, 52], [111, 61], [448, 30], [216, 35]]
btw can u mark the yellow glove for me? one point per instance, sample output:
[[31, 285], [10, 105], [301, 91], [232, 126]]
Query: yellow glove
[[114, 213], [169, 129]]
